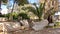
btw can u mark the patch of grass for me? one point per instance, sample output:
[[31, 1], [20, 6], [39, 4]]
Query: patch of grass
[[49, 26], [57, 25]]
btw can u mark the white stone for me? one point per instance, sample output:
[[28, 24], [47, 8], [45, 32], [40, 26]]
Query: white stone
[[24, 23], [51, 24], [3, 19], [12, 26], [40, 25]]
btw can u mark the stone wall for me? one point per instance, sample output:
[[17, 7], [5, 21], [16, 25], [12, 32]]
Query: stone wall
[[3, 19]]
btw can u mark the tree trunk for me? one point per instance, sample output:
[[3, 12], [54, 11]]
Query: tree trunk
[[13, 6], [50, 19], [11, 17]]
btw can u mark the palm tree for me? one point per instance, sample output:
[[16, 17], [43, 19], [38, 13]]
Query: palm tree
[[39, 11]]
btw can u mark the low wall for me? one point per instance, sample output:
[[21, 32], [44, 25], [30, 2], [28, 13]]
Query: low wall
[[3, 19]]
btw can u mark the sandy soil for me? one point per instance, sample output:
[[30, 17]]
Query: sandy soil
[[44, 31]]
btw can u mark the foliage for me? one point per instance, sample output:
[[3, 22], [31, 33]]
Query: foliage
[[21, 2], [11, 14], [7, 15], [49, 14], [23, 15], [5, 1], [39, 11], [2, 16], [16, 15], [57, 25], [28, 9]]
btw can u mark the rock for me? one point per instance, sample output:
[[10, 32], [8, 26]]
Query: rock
[[1, 26], [39, 25], [51, 24], [1, 32], [3, 19], [12, 26], [25, 23]]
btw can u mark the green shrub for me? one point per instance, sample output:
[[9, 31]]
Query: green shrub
[[57, 23], [7, 15], [23, 15]]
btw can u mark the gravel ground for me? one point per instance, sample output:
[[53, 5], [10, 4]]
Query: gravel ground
[[44, 31]]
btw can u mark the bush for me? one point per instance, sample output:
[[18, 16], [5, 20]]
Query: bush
[[7, 15], [57, 25], [23, 15], [16, 15]]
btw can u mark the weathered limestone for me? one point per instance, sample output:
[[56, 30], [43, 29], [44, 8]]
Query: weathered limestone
[[25, 23], [3, 19], [1, 28], [51, 24], [1, 32], [11, 26], [40, 25], [14, 26]]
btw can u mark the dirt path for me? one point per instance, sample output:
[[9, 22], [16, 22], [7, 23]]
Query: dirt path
[[44, 31]]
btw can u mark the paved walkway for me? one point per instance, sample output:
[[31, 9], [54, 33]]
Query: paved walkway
[[44, 31]]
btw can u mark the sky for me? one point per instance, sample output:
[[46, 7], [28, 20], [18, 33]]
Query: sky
[[33, 1], [11, 3], [4, 7]]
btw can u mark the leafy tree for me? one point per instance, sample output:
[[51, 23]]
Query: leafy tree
[[50, 12], [23, 15], [21, 2]]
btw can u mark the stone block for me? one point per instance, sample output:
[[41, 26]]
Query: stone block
[[11, 26], [25, 23], [39, 25]]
